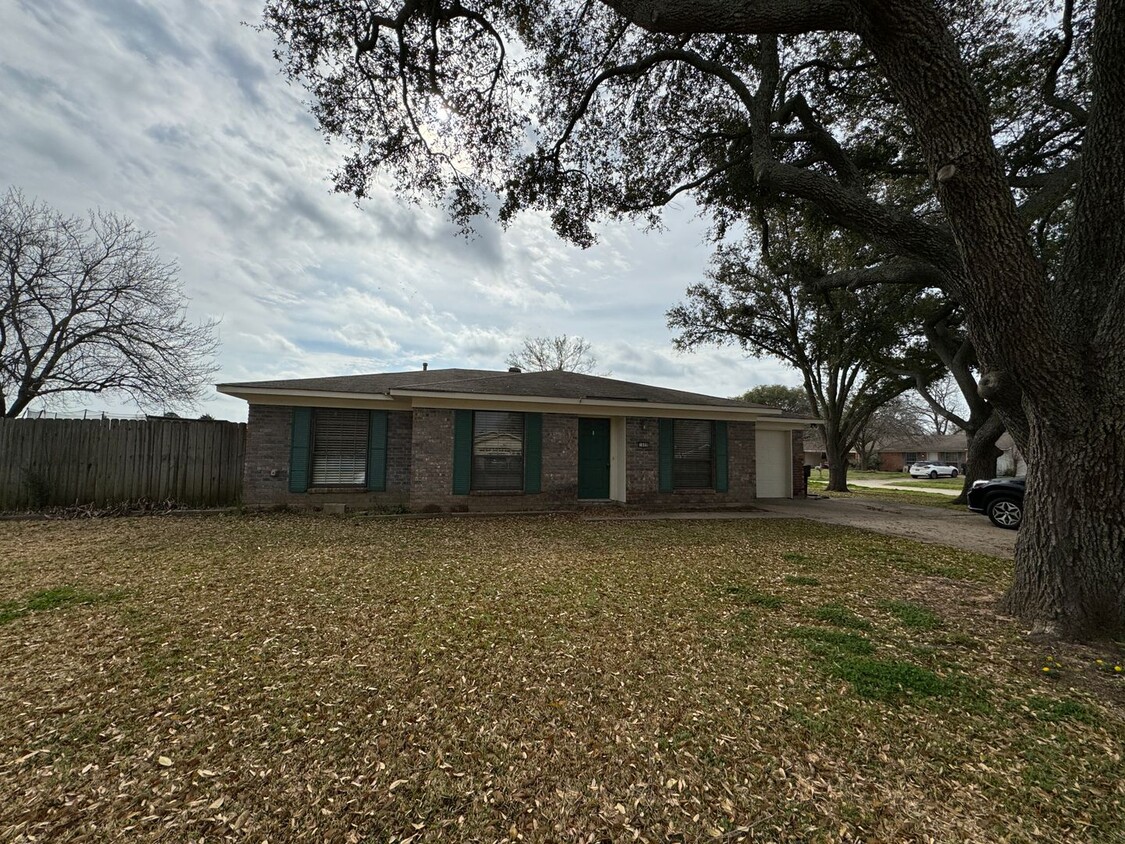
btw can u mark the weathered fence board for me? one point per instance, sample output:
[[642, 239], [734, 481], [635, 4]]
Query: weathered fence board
[[62, 462]]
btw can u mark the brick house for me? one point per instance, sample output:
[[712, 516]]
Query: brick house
[[951, 449], [458, 439]]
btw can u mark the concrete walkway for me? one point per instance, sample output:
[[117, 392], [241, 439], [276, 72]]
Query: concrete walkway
[[937, 526]]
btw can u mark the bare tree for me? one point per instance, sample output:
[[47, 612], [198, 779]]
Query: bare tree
[[898, 419], [561, 353], [87, 306], [940, 403]]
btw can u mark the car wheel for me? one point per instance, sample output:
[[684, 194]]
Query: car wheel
[[953, 474], [1005, 513], [933, 474]]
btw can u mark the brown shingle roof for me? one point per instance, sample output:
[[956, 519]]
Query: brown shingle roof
[[554, 384], [934, 442]]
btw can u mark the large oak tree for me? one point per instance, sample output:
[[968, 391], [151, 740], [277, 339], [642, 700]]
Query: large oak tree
[[1008, 199]]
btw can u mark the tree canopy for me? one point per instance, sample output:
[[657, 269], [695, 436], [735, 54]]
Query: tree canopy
[[562, 352], [974, 146], [792, 400], [855, 349], [87, 307]]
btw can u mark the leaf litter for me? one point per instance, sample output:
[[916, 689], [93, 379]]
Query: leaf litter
[[292, 678]]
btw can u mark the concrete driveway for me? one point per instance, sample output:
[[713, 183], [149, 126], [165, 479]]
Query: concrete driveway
[[938, 526]]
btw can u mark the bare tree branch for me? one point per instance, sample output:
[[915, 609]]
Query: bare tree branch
[[88, 307]]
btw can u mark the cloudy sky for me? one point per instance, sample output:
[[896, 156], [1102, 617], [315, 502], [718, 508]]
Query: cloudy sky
[[174, 114]]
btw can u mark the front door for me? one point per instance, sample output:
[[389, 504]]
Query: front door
[[593, 458]]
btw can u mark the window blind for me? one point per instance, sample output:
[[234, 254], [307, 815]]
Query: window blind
[[692, 463], [339, 447], [497, 450]]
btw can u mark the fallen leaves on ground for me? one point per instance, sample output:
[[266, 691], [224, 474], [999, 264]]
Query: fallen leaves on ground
[[291, 678]]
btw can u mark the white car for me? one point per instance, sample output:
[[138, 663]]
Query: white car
[[933, 470]]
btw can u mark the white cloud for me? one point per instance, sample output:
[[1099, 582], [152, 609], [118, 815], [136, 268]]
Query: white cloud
[[175, 115]]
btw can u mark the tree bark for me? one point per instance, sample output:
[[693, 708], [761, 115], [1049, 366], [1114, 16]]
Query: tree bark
[[983, 453], [1070, 574], [837, 462], [1059, 337]]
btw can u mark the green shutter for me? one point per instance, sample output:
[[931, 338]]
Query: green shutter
[[532, 452], [721, 470], [377, 452], [667, 450], [300, 444], [462, 451]]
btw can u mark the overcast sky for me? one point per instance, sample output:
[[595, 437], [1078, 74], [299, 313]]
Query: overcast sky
[[174, 114]]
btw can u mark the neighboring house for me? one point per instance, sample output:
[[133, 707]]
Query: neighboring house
[[815, 453], [462, 439], [1011, 462], [897, 456]]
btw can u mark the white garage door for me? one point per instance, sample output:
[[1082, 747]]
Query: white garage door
[[774, 463]]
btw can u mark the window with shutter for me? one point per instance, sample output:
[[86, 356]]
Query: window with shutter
[[339, 447], [692, 454], [497, 450]]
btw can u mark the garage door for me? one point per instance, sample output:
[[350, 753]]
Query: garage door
[[774, 464]]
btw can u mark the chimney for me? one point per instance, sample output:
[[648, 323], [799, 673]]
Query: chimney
[[514, 369], [425, 366]]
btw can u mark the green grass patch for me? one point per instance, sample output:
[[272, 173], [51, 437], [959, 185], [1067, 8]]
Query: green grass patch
[[1056, 709], [841, 616], [939, 483], [823, 641], [912, 615], [888, 679], [900, 496], [51, 599]]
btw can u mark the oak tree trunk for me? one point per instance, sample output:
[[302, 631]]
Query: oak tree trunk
[[983, 454], [1070, 573], [837, 464]]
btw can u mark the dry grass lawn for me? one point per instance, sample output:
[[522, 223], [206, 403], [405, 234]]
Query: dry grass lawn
[[287, 678]]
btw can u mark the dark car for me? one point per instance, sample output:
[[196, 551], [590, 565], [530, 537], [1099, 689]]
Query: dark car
[[1001, 499]]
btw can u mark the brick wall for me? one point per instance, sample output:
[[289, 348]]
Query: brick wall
[[432, 447], [266, 473], [433, 467], [891, 461], [800, 488], [642, 465], [420, 466], [643, 469]]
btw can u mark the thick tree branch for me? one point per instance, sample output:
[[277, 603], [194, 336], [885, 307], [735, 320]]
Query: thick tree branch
[[1050, 84], [894, 271], [740, 17], [819, 137]]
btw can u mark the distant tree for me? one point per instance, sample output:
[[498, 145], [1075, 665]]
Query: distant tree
[[792, 400], [940, 401], [899, 419], [561, 353], [851, 347], [87, 306]]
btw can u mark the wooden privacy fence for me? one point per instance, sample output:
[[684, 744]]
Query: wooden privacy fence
[[62, 462]]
